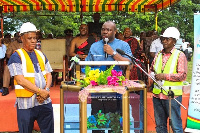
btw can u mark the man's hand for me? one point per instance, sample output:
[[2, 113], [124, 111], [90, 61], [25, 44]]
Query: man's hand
[[82, 57], [160, 76], [107, 48], [44, 94], [40, 99]]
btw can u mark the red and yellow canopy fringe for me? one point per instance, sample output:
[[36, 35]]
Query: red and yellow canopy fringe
[[85, 5]]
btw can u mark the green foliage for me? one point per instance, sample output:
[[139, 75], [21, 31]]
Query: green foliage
[[114, 122], [108, 120], [189, 74], [87, 70], [179, 15], [103, 76]]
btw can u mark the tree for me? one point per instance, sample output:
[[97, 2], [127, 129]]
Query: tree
[[179, 15]]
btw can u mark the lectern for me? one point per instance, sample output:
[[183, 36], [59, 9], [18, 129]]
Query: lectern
[[83, 105]]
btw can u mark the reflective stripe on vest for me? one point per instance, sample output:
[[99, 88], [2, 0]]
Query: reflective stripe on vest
[[28, 71], [170, 67]]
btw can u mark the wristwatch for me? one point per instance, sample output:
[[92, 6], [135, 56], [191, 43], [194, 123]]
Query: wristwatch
[[47, 89], [114, 53]]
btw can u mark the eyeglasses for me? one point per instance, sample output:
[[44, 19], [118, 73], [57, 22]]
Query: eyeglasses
[[165, 38]]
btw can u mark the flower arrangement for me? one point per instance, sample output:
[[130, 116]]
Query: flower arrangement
[[101, 79], [96, 79], [107, 77], [108, 120]]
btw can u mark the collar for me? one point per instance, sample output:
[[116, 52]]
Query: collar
[[163, 52]]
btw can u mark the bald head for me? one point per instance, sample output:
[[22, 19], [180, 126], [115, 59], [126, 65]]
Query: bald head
[[108, 30], [111, 23], [127, 33]]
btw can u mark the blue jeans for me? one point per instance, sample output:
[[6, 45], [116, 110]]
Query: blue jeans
[[42, 113], [161, 114]]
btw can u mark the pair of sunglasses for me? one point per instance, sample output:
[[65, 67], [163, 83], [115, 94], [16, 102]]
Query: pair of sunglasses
[[165, 38]]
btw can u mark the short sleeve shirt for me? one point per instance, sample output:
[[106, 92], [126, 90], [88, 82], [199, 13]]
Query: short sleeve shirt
[[97, 53], [15, 68], [156, 46]]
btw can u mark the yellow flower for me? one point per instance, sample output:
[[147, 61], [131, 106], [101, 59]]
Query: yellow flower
[[94, 74], [87, 80]]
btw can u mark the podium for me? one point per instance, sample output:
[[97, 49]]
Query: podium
[[83, 105]]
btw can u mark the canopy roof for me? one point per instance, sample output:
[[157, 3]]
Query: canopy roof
[[85, 5]]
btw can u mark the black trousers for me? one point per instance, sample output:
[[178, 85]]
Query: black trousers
[[1, 72]]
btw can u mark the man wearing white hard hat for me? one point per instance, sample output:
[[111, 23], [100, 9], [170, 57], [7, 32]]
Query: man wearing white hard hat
[[32, 79], [170, 70]]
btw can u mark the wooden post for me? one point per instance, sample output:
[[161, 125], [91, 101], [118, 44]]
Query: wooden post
[[61, 110], [83, 116], [125, 112], [1, 23]]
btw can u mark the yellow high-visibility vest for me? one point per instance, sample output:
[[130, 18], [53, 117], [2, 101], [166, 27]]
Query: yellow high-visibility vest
[[28, 71], [170, 67]]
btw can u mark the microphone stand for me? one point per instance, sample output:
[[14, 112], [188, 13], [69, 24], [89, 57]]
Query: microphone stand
[[170, 93], [170, 121]]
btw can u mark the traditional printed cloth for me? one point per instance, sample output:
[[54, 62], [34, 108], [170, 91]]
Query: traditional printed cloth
[[135, 72], [85, 47]]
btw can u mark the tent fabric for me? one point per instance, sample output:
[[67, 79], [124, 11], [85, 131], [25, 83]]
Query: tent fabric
[[85, 5]]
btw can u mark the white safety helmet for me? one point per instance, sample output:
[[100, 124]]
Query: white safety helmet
[[27, 27], [171, 32]]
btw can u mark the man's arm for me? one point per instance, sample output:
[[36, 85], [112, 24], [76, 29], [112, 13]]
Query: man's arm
[[72, 48], [31, 87], [108, 49], [118, 57], [49, 80]]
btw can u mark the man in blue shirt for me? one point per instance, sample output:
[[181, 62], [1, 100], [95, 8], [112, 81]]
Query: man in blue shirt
[[97, 53], [98, 49]]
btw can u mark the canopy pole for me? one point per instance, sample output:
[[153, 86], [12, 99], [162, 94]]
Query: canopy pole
[[81, 15], [1, 23], [156, 18], [1, 10], [156, 21]]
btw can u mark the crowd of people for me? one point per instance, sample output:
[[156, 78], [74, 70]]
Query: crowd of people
[[22, 58]]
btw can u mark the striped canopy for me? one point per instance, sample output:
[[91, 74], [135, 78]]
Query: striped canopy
[[85, 5]]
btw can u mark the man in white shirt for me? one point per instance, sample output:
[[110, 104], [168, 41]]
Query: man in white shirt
[[155, 47], [184, 48], [2, 47]]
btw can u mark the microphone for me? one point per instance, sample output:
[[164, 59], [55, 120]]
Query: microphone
[[106, 41], [123, 53], [74, 60]]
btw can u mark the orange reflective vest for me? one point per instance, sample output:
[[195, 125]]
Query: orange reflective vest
[[28, 71]]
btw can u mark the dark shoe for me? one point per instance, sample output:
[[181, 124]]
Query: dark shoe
[[5, 91], [1, 89]]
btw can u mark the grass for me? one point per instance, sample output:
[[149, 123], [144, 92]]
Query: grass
[[189, 74]]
